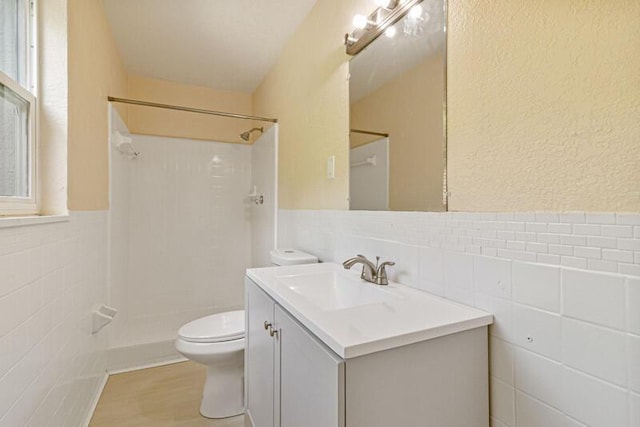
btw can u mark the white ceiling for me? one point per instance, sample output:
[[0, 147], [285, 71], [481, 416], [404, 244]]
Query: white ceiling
[[223, 44]]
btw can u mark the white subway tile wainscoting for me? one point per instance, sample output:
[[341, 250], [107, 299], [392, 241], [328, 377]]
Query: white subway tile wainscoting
[[564, 289], [564, 347], [52, 277]]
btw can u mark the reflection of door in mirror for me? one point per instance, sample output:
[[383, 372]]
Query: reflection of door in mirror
[[369, 176], [397, 87]]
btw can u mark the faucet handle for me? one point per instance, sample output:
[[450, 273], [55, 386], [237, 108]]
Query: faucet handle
[[363, 274], [381, 274]]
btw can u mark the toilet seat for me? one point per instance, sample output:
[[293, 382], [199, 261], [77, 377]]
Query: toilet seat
[[196, 350], [221, 327]]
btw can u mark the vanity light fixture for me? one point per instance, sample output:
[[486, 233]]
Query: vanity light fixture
[[390, 32], [361, 22], [415, 12], [386, 4], [368, 28]]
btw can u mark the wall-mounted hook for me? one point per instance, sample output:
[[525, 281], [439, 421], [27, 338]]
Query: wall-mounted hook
[[102, 317]]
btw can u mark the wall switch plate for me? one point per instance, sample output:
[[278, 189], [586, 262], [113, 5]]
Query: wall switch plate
[[331, 167]]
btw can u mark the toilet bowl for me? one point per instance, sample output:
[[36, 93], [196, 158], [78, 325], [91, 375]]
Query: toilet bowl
[[217, 341]]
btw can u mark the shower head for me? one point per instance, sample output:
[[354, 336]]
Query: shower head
[[246, 135]]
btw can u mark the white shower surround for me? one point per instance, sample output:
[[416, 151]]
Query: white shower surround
[[188, 239], [264, 177], [182, 235]]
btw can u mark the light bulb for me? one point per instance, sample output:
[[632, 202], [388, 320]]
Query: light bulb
[[416, 11], [390, 32], [360, 21], [349, 39], [384, 3]]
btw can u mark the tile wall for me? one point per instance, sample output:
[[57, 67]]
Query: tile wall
[[564, 289], [182, 231], [264, 176], [51, 277], [118, 241], [180, 235]]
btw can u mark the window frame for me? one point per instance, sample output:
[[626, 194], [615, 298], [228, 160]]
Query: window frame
[[11, 206]]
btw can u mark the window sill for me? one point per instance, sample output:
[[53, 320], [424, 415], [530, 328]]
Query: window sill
[[21, 221]]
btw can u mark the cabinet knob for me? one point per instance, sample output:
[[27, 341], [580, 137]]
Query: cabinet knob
[[273, 332], [267, 325]]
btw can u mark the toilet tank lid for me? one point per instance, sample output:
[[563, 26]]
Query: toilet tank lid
[[289, 256], [219, 327]]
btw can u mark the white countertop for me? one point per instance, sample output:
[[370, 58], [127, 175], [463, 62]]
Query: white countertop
[[402, 316]]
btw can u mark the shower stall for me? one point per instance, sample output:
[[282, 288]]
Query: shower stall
[[187, 217]]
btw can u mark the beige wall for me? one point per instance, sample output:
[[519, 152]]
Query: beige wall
[[307, 91], [544, 105], [409, 109], [95, 71], [52, 106], [154, 121]]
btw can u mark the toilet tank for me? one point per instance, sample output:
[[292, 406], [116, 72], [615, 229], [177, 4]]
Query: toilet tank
[[288, 256]]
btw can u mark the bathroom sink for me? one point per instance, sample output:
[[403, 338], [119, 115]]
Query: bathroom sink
[[334, 291], [353, 317]]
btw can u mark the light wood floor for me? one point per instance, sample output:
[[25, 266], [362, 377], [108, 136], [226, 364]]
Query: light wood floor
[[167, 396]]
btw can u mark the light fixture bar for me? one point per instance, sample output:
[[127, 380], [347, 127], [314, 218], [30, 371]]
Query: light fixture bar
[[359, 39]]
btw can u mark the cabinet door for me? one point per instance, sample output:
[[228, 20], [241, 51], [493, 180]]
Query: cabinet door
[[311, 378], [259, 357]]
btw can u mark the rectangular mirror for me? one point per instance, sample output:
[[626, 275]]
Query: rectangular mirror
[[397, 89]]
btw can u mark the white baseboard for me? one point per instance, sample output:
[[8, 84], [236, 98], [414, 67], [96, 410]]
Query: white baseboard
[[95, 400], [248, 421], [141, 356], [149, 365]]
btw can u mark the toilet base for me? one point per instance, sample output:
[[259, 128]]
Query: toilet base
[[223, 393]]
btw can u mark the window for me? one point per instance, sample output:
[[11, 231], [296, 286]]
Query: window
[[17, 108]]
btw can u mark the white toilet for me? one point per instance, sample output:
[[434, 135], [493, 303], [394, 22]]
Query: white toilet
[[217, 341]]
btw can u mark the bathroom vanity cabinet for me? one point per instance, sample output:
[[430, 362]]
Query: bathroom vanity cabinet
[[291, 378], [294, 379]]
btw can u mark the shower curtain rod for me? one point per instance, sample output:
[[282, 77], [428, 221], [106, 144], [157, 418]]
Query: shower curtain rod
[[367, 132], [189, 109]]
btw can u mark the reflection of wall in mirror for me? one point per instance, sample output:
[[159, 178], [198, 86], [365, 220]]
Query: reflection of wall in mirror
[[409, 108], [369, 176]]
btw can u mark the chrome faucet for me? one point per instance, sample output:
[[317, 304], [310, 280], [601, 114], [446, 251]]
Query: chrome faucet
[[371, 273]]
